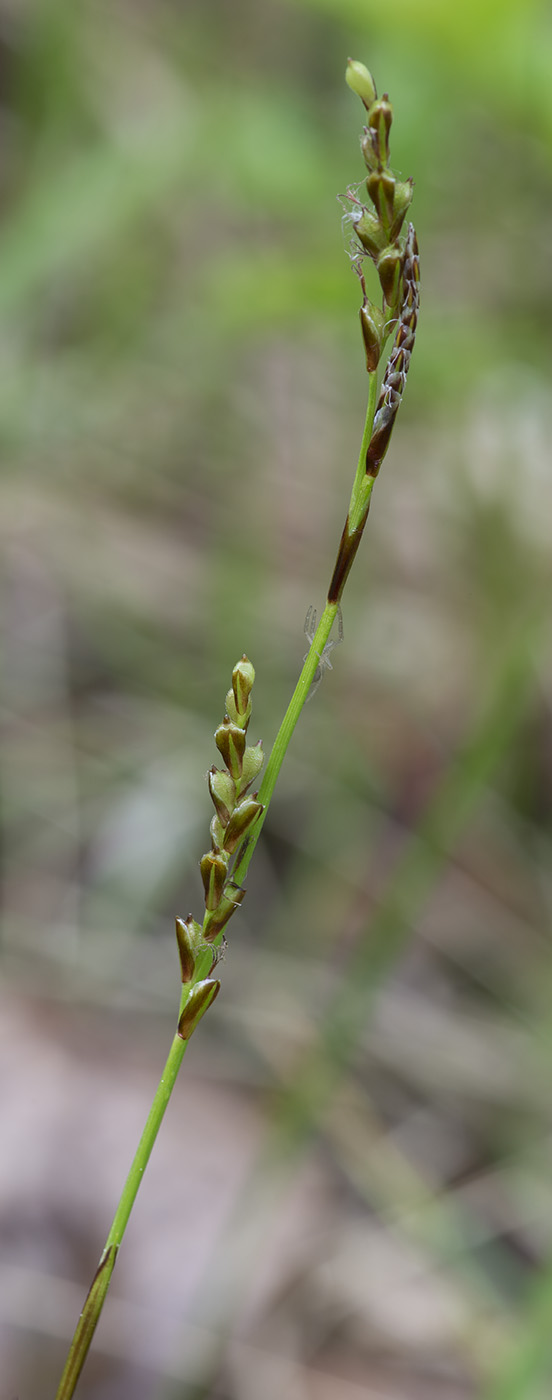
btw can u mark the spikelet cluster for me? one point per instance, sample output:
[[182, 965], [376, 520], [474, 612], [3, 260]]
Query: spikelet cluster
[[236, 811], [378, 234]]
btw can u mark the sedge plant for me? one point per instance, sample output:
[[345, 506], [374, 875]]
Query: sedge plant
[[376, 213]]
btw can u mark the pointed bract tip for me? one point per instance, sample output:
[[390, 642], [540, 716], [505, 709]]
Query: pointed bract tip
[[200, 999]]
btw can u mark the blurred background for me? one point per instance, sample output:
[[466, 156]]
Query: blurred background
[[327, 1216]]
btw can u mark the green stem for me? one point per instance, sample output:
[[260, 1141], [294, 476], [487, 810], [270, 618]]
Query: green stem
[[362, 485], [90, 1314], [356, 519], [86, 1326]]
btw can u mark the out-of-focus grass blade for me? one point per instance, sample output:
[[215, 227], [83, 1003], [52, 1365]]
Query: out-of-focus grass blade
[[526, 1371], [67, 214]]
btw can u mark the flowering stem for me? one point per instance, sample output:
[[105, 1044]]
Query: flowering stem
[[90, 1314], [239, 817], [86, 1326], [356, 520]]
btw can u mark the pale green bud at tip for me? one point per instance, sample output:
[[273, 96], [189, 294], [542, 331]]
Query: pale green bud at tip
[[360, 80], [243, 677]]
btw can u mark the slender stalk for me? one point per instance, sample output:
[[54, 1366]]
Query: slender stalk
[[90, 1314], [358, 511], [307, 1094], [236, 813]]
